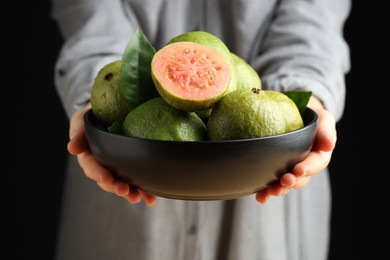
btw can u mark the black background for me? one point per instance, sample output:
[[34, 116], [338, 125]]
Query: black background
[[37, 133]]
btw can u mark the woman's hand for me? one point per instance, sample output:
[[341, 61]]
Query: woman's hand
[[79, 147], [317, 160]]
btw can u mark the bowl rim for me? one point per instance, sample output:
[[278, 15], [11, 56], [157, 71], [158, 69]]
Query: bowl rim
[[89, 114]]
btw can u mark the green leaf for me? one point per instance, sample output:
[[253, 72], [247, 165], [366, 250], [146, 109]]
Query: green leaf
[[137, 85], [300, 98]]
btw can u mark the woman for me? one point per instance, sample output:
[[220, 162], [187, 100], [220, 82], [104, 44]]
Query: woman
[[293, 44]]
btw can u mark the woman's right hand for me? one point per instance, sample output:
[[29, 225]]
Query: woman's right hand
[[79, 147]]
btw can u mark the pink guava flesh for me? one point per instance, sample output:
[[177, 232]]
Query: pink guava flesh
[[191, 71]]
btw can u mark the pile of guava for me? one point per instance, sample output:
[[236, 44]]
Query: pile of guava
[[192, 89]]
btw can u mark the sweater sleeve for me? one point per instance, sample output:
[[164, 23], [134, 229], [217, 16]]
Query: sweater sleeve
[[304, 49], [95, 32]]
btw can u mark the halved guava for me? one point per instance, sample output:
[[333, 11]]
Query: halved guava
[[190, 76], [212, 41]]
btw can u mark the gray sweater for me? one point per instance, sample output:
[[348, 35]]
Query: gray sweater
[[293, 44]]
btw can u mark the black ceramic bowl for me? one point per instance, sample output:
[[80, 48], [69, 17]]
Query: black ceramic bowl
[[206, 170]]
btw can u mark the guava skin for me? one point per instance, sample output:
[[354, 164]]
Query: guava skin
[[252, 113], [156, 119], [107, 103], [247, 77]]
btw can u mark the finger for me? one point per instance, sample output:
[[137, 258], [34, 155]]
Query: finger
[[263, 196], [105, 187], [118, 187], [134, 195], [301, 182], [276, 190], [326, 136], [76, 123], [314, 163], [77, 140], [78, 144], [288, 180], [121, 188], [93, 170], [149, 199]]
